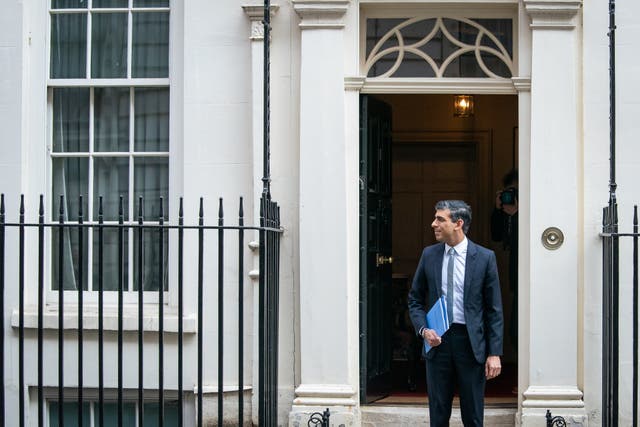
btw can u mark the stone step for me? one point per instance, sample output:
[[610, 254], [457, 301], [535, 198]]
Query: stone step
[[410, 416]]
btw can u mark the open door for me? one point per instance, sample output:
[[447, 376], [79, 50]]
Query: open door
[[375, 249]]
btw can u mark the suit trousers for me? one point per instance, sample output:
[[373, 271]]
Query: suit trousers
[[454, 364]]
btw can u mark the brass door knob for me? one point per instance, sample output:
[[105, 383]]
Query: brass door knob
[[381, 260]]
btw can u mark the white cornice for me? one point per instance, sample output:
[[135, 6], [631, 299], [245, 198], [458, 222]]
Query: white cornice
[[321, 13], [552, 397], [354, 83], [324, 395], [255, 12], [522, 84], [553, 14], [434, 85]]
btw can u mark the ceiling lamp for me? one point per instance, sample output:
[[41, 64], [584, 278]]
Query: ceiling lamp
[[463, 106]]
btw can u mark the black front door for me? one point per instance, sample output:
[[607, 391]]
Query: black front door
[[375, 249]]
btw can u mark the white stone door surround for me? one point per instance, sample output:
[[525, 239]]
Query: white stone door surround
[[547, 85]]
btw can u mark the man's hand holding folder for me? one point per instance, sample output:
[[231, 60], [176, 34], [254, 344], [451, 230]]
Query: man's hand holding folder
[[437, 324]]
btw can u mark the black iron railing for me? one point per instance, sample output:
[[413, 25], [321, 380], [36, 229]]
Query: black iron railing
[[269, 232], [611, 238], [556, 421]]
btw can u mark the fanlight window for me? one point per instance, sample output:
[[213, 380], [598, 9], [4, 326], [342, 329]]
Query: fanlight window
[[439, 47]]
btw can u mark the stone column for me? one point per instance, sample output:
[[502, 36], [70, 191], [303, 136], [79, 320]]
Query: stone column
[[550, 317], [326, 325]]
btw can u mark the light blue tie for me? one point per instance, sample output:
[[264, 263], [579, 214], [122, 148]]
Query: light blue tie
[[452, 255]]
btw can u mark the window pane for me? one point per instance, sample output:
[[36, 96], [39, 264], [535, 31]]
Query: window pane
[[69, 4], [150, 3], [151, 119], [109, 45], [151, 181], [111, 127], [151, 411], [111, 415], [150, 260], [110, 3], [70, 119], [70, 411], [68, 46], [71, 180], [110, 259], [150, 44], [439, 48], [70, 259], [111, 180]]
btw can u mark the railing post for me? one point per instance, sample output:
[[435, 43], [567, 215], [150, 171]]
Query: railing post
[[180, 312], [140, 268], [200, 306], [121, 283], [100, 313], [161, 315], [263, 404], [635, 316], [40, 313], [2, 262], [220, 312], [80, 309], [60, 313], [241, 314]]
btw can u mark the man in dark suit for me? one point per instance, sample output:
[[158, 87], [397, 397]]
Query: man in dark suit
[[469, 352]]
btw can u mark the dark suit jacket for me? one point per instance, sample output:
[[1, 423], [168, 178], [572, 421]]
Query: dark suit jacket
[[482, 300]]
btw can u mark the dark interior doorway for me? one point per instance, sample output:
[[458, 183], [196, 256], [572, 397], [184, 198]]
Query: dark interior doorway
[[414, 145]]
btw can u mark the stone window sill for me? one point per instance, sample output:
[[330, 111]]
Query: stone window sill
[[110, 318]]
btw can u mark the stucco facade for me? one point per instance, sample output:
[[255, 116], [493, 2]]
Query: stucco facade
[[561, 82]]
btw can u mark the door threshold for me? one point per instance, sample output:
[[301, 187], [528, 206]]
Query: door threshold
[[400, 400], [418, 415]]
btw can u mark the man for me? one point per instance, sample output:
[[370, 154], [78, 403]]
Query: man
[[469, 352], [504, 228]]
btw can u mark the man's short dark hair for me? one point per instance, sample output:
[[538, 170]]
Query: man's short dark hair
[[459, 210], [510, 178]]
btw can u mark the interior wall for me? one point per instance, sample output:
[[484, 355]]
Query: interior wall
[[492, 128]]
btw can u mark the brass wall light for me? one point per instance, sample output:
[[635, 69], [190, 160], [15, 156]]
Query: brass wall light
[[463, 106]]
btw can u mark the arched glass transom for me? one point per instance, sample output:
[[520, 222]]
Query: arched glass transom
[[439, 47]]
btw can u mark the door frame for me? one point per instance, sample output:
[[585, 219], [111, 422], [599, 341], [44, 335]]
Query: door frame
[[521, 87], [355, 83]]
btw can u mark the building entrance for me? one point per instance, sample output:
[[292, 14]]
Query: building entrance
[[430, 155]]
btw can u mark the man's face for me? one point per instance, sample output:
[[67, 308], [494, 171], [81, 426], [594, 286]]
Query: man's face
[[444, 228]]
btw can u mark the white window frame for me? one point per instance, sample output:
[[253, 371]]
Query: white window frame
[[110, 297], [370, 9]]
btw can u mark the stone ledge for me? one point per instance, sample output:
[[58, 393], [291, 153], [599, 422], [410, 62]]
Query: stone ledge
[[388, 416]]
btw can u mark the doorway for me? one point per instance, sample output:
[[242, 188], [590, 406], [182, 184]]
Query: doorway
[[430, 155]]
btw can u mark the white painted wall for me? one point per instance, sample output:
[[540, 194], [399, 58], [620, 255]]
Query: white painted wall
[[596, 178], [12, 80], [211, 145]]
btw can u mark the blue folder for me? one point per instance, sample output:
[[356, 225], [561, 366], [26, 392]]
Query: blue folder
[[437, 319]]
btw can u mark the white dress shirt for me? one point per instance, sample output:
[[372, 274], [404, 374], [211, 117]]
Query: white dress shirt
[[458, 278]]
